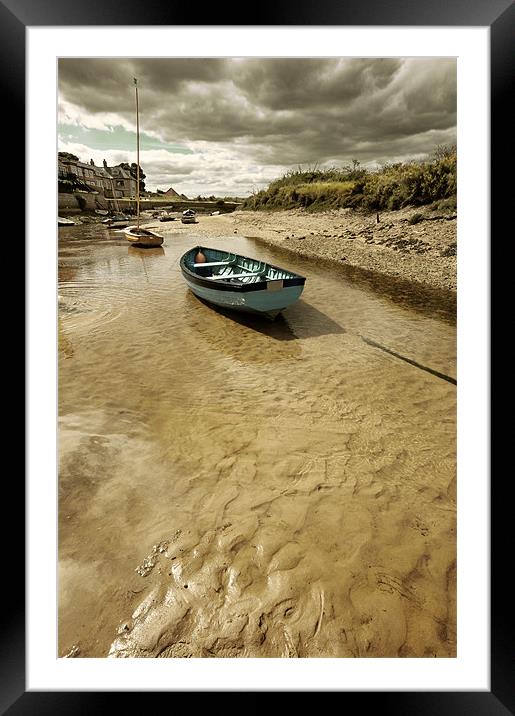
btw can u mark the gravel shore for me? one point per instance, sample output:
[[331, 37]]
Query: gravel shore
[[423, 252]]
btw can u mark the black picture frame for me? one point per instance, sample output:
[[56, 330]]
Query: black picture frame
[[499, 16]]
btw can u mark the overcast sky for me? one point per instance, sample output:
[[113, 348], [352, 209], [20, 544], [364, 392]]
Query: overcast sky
[[229, 126]]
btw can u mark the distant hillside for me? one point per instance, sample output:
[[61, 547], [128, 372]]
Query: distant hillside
[[392, 187]]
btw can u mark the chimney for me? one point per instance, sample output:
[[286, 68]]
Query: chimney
[[105, 164], [92, 162]]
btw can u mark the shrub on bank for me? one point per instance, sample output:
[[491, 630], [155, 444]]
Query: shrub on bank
[[392, 187], [446, 205]]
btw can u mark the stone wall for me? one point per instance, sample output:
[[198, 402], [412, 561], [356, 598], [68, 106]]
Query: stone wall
[[80, 201], [84, 201]]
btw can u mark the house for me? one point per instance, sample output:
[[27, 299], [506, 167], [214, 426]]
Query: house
[[123, 184], [114, 182], [172, 193], [81, 172]]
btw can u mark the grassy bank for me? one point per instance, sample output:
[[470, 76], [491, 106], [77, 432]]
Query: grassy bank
[[392, 187]]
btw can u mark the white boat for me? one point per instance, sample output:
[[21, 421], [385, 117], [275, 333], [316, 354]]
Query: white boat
[[61, 221], [138, 235], [189, 217]]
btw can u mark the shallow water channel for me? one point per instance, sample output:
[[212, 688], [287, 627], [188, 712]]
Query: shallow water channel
[[233, 486]]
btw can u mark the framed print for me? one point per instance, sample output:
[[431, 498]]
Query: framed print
[[259, 434]]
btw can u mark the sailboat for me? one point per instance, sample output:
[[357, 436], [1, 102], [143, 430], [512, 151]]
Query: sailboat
[[137, 235]]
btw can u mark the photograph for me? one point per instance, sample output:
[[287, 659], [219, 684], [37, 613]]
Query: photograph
[[257, 369], [257, 364]]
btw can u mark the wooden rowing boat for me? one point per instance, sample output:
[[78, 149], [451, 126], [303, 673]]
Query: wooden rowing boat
[[142, 237], [239, 282]]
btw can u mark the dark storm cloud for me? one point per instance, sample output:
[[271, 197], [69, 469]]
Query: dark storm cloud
[[105, 85], [275, 111], [295, 84]]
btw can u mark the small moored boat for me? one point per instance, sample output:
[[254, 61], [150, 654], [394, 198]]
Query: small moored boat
[[139, 236], [189, 217], [61, 221], [118, 221], [239, 282]]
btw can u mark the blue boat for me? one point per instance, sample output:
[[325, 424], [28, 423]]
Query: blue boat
[[239, 282]]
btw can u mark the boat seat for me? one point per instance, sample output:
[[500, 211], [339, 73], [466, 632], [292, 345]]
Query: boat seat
[[227, 277], [213, 263], [253, 277]]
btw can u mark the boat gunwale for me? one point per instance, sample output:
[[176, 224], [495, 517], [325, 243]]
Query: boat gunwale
[[144, 232], [226, 285]]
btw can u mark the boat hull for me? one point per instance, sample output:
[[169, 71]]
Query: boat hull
[[143, 240], [260, 302], [267, 294]]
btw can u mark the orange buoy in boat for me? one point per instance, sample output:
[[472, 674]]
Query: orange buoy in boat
[[200, 258]]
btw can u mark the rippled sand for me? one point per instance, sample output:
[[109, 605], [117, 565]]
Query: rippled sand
[[236, 487]]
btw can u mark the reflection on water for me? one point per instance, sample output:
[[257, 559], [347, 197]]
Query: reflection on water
[[244, 338], [145, 253], [308, 321], [235, 486]]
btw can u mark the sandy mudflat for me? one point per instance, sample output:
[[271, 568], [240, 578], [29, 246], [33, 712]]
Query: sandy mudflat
[[231, 487], [424, 252]]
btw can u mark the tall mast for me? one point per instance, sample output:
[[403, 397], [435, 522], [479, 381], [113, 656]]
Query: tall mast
[[137, 150]]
